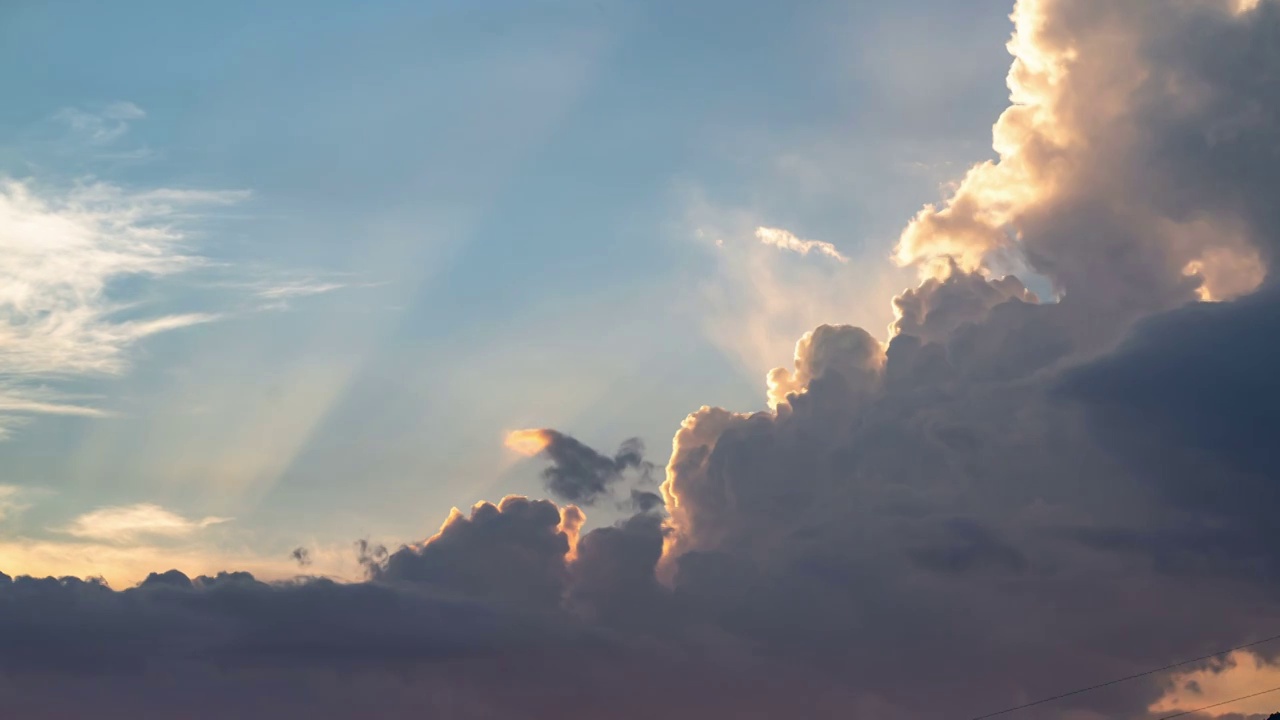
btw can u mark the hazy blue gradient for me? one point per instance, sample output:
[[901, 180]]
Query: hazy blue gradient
[[510, 190]]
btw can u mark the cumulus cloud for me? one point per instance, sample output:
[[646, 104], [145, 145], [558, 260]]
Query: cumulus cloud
[[933, 311], [786, 240], [1008, 499], [512, 552], [848, 351], [131, 522], [1120, 157]]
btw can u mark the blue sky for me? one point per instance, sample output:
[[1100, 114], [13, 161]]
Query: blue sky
[[406, 228]]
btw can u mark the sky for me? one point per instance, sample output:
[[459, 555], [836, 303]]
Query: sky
[[425, 224], [886, 360]]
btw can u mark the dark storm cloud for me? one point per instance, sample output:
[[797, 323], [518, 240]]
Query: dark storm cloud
[[580, 474], [53, 626], [963, 546], [1202, 378], [1191, 404], [613, 576], [643, 501]]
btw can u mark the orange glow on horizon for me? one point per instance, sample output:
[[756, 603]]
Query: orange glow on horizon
[[528, 442]]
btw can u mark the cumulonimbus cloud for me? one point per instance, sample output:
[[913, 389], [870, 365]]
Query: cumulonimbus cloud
[[1008, 499]]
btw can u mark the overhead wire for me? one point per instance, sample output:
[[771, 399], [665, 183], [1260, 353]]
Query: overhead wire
[[1127, 678]]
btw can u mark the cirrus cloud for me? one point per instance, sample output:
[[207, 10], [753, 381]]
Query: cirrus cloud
[[66, 254]]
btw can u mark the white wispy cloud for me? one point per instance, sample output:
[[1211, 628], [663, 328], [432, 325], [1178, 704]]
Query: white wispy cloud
[[298, 288], [277, 291], [171, 199], [22, 404], [103, 126], [786, 240], [64, 251], [124, 523], [10, 502]]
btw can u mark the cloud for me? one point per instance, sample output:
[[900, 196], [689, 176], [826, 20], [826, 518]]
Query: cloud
[[67, 253], [1127, 145], [300, 288], [301, 555], [10, 504], [230, 645], [104, 126], [1233, 676], [997, 451], [277, 290], [129, 522], [513, 552], [1007, 500], [785, 240], [848, 351], [231, 619], [30, 404], [63, 253], [20, 401], [933, 311], [528, 442], [578, 473]]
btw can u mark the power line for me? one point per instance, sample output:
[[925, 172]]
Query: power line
[[1135, 676], [1218, 704]]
